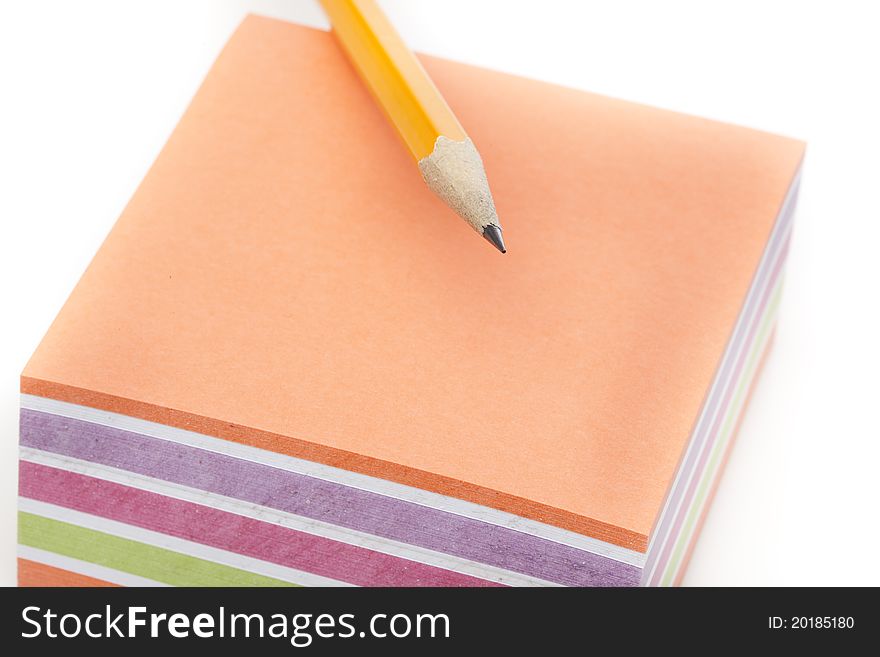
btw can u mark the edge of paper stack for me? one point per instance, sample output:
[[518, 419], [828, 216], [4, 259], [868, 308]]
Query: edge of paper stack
[[107, 498]]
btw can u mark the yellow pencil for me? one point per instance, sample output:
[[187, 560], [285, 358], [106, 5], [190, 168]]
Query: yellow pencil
[[447, 158]]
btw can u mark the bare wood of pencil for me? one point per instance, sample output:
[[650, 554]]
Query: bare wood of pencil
[[448, 160]]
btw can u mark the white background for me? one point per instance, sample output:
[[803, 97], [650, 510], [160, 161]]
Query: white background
[[89, 92]]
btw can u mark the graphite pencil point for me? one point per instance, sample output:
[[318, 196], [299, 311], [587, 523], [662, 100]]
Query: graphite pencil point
[[492, 233]]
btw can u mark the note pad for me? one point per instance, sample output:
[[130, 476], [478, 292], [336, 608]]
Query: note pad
[[290, 364]]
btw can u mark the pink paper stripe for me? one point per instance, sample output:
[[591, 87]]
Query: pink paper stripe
[[229, 531]]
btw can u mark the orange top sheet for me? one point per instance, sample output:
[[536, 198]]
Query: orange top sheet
[[283, 277]]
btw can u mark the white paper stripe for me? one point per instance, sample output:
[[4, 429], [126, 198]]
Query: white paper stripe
[[282, 518], [84, 567]]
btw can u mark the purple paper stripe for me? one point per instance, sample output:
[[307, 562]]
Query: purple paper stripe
[[325, 501], [231, 532]]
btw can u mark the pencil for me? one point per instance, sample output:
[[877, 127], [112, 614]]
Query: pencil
[[448, 160]]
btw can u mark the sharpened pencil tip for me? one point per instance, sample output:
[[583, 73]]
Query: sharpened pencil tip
[[492, 233]]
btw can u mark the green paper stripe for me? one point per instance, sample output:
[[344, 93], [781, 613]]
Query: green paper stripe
[[721, 444], [129, 556]]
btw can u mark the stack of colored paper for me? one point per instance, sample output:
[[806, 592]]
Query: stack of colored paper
[[289, 363]]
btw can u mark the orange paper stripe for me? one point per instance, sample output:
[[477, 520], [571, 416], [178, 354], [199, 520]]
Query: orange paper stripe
[[32, 573]]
